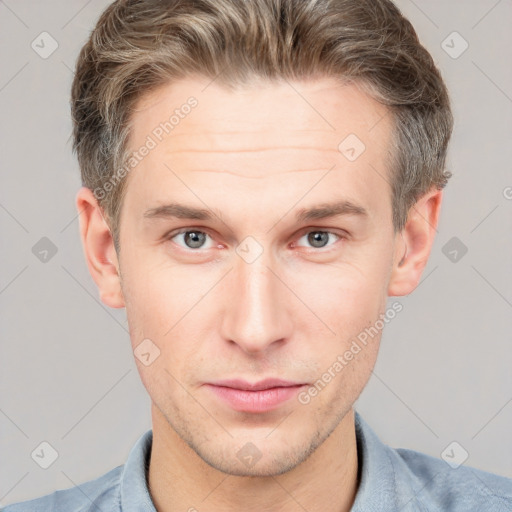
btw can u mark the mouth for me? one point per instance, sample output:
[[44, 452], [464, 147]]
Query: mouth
[[262, 396]]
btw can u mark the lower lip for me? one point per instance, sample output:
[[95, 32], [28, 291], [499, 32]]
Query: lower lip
[[255, 401]]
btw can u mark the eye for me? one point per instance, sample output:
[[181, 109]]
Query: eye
[[192, 239], [195, 239], [319, 239]]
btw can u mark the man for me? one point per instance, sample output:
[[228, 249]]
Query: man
[[259, 177]]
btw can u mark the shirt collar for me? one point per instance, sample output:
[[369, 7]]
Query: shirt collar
[[135, 495], [378, 486]]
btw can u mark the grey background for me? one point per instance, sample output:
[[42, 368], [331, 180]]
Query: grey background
[[67, 374]]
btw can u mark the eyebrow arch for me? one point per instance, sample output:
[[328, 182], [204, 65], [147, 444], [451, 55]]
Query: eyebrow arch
[[327, 210], [179, 211], [323, 211]]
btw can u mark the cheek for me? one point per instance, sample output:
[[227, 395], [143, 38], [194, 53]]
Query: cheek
[[346, 300], [344, 295], [160, 291], [169, 304]]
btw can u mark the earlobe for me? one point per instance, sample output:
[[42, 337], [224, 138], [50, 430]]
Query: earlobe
[[414, 243], [99, 250]]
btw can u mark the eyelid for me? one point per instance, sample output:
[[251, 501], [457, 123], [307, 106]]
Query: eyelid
[[341, 234], [323, 229], [171, 234]]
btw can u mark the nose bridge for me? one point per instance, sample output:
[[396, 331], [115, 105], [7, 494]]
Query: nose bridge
[[255, 310]]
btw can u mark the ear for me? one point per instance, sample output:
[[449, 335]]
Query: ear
[[99, 249], [414, 242]]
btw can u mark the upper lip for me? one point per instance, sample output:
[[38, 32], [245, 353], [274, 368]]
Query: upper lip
[[256, 386]]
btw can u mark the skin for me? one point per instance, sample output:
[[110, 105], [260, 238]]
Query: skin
[[256, 157]]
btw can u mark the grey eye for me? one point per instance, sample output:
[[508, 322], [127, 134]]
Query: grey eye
[[194, 239], [191, 239], [318, 238]]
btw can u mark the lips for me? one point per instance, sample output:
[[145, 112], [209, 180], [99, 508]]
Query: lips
[[256, 386], [257, 397]]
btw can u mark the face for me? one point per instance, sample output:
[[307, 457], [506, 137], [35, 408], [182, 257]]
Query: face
[[254, 246]]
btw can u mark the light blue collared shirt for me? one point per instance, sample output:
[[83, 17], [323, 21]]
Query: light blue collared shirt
[[392, 480]]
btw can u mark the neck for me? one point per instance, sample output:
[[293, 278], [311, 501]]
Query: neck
[[179, 480]]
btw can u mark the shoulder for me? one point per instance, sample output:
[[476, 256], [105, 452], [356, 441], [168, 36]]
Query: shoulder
[[102, 493], [124, 484], [408, 480], [439, 486]]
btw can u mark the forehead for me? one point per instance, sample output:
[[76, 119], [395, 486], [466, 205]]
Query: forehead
[[323, 109], [260, 138]]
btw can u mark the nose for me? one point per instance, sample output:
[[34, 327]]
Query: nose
[[257, 308]]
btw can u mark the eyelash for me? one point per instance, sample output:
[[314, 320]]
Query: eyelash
[[174, 234]]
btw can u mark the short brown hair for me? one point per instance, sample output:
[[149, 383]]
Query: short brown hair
[[140, 45]]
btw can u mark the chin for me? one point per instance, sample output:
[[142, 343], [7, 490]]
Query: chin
[[258, 459]]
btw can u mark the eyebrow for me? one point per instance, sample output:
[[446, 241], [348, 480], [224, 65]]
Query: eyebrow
[[179, 211], [328, 210], [323, 211]]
